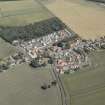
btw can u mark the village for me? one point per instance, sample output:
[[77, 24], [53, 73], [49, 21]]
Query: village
[[52, 52], [67, 52]]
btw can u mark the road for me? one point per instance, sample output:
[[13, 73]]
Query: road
[[63, 94]]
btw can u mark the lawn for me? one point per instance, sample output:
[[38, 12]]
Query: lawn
[[21, 85], [87, 87], [16, 13]]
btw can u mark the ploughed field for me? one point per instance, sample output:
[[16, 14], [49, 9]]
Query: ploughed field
[[21, 85], [87, 86], [84, 17]]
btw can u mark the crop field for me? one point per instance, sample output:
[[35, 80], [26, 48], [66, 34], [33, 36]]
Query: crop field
[[85, 18], [16, 13], [87, 87], [6, 49], [21, 85]]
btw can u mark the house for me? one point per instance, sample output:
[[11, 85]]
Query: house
[[32, 54]]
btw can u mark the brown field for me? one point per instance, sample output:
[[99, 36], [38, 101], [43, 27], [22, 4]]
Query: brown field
[[85, 18]]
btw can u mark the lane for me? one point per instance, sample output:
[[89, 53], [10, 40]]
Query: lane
[[64, 96]]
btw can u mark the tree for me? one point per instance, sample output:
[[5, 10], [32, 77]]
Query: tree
[[4, 67], [34, 63], [50, 61]]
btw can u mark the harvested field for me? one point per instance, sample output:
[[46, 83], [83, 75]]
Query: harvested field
[[16, 13], [87, 87], [84, 18], [22, 86], [6, 49]]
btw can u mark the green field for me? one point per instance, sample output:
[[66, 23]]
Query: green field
[[87, 87], [22, 86], [6, 49], [16, 13]]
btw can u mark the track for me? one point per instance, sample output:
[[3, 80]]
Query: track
[[63, 94]]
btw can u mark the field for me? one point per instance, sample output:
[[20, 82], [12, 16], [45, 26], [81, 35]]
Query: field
[[6, 49], [83, 17], [16, 13], [22, 86], [87, 87]]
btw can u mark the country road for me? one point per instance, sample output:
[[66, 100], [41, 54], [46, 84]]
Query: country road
[[64, 96]]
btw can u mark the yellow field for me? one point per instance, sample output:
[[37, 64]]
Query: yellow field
[[22, 12], [85, 18]]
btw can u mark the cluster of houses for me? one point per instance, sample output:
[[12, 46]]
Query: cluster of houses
[[67, 56], [98, 43], [65, 59], [73, 59], [36, 46], [70, 60], [15, 59]]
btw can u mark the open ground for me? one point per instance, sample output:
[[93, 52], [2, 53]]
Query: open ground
[[85, 18]]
